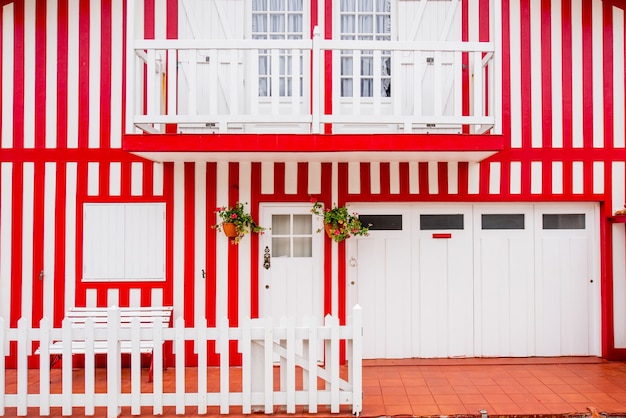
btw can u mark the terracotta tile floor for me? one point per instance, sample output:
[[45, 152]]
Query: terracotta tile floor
[[501, 387]]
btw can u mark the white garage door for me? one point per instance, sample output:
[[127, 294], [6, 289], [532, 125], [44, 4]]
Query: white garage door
[[477, 280]]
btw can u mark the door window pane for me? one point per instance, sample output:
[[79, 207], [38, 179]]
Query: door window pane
[[502, 221], [436, 222], [292, 235], [382, 222], [563, 221]]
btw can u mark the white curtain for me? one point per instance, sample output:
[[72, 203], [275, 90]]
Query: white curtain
[[276, 19], [365, 20]]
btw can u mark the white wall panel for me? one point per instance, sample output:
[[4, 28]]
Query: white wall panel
[[494, 177], [516, 177], [95, 52], [536, 170], [70, 234], [314, 177], [115, 179], [29, 73], [598, 75], [157, 179], [117, 52], [414, 184], [619, 94], [577, 177], [93, 178], [49, 249], [536, 71], [6, 232], [136, 178], [394, 178], [28, 202], [51, 73], [201, 212], [577, 74], [556, 72], [598, 177], [375, 177], [557, 177]]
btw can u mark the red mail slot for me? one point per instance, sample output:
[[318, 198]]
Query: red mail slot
[[442, 236]]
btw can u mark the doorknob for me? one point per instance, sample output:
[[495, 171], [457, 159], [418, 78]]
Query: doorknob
[[266, 258]]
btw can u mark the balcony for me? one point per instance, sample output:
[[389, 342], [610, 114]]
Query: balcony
[[218, 86]]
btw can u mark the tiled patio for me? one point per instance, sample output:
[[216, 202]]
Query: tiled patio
[[501, 387]]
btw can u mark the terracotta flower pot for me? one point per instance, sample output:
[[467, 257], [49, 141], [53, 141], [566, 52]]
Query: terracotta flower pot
[[230, 230], [328, 228]]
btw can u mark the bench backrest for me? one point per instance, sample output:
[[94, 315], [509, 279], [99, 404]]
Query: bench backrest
[[147, 316]]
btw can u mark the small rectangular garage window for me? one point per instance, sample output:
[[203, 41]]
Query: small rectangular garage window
[[124, 242], [437, 222], [382, 222], [502, 221], [563, 221]]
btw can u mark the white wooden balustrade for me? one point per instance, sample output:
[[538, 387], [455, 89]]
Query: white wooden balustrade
[[261, 343]]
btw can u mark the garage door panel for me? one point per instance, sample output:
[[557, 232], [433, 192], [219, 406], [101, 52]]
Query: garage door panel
[[397, 299]]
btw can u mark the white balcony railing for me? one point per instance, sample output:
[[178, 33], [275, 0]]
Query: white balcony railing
[[206, 85]]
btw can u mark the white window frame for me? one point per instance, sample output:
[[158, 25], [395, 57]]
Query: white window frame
[[123, 242]]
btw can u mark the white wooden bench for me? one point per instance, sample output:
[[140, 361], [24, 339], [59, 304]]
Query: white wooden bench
[[148, 317]]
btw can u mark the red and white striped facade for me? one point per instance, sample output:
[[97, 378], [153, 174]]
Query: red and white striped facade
[[62, 96]]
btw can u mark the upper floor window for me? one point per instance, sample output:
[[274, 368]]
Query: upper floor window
[[365, 20], [278, 19]]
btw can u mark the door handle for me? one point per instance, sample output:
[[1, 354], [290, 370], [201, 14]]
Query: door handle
[[266, 258]]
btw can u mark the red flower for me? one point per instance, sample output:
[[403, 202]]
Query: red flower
[[233, 216]]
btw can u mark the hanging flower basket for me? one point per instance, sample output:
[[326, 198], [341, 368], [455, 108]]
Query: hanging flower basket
[[339, 224], [236, 222], [230, 230]]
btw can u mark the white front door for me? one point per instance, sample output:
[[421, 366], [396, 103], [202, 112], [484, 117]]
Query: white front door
[[567, 281], [443, 252], [291, 267], [379, 279]]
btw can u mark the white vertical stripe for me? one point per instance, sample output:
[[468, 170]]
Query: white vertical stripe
[[200, 228], [136, 179], [577, 177], [536, 185], [473, 178], [577, 75], [95, 53], [315, 177], [557, 177], [535, 71], [115, 178], [134, 298], [433, 178], [157, 179], [179, 238], [267, 178], [375, 177], [49, 211], [160, 15], [472, 20], [6, 231], [91, 298], [453, 177], [72, 74], [394, 178], [291, 177], [117, 52], [619, 286], [354, 178], [221, 246], [244, 266], [7, 76], [113, 297], [70, 235], [516, 177], [598, 177], [28, 202], [414, 183], [515, 75], [618, 193], [29, 74], [495, 169], [51, 73], [598, 75], [556, 73], [93, 178], [619, 94]]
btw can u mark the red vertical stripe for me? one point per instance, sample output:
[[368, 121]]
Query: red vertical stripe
[[442, 178], [546, 74], [211, 260], [83, 74], [327, 174], [189, 255], [566, 54], [61, 92], [385, 179], [18, 76], [59, 243], [404, 179], [607, 47], [255, 174], [81, 193], [16, 244], [423, 178], [365, 179], [40, 76], [463, 178], [168, 194], [37, 241], [587, 55], [233, 262]]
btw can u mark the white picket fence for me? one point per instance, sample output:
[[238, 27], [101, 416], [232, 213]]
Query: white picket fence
[[263, 345]]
